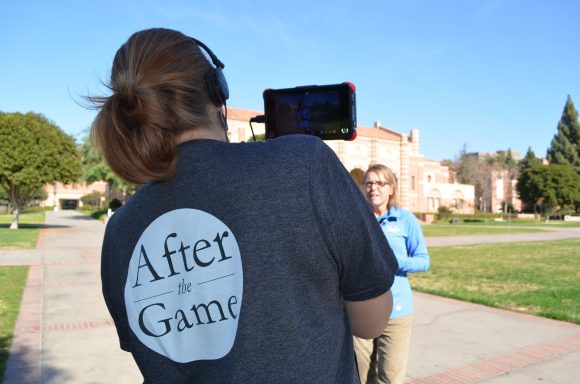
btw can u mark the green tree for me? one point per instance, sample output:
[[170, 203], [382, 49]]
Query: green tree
[[551, 187], [467, 167], [92, 200], [34, 152], [504, 161], [452, 171], [509, 161], [501, 161], [259, 137], [565, 146], [95, 169], [3, 194], [530, 160]]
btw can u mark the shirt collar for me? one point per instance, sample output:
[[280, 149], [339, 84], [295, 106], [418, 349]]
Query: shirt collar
[[394, 212]]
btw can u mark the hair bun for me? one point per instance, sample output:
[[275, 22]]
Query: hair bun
[[158, 91], [130, 103], [128, 94]]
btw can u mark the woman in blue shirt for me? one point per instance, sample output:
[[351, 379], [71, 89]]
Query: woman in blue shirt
[[384, 359]]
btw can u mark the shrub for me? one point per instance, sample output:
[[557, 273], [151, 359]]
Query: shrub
[[98, 214], [473, 221], [92, 200], [444, 214]]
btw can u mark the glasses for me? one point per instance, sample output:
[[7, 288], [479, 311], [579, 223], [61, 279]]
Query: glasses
[[379, 184]]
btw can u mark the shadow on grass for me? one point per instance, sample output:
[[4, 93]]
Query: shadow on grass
[[83, 217], [36, 226]]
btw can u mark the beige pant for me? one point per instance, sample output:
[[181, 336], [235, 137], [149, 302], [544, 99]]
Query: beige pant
[[384, 359]]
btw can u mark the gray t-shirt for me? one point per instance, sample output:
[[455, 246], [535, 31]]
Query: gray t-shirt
[[235, 270]]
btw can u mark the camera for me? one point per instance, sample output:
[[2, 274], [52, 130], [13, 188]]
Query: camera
[[326, 111]]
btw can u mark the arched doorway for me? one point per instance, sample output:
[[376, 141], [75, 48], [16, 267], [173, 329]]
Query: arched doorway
[[433, 200], [458, 200]]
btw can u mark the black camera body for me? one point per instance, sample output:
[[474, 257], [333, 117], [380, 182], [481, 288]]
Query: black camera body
[[326, 111]]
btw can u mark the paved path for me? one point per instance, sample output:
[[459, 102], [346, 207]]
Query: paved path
[[65, 335], [548, 233]]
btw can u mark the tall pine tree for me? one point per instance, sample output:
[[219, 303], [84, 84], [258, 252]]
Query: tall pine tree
[[565, 146], [529, 161]]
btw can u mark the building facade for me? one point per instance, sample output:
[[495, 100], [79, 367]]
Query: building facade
[[498, 193], [495, 190], [68, 196]]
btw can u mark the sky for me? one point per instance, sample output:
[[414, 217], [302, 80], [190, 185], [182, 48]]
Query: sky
[[484, 75]]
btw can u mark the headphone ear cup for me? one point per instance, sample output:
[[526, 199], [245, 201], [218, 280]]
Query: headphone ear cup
[[222, 85], [217, 87]]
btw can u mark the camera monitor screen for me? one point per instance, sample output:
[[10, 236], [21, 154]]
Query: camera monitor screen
[[326, 111]]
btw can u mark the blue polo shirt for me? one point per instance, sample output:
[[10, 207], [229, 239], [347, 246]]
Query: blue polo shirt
[[404, 234]]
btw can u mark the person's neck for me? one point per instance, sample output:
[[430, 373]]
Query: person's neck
[[380, 211], [213, 133]]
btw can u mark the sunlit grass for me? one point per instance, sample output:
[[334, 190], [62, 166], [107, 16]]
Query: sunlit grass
[[24, 218], [540, 278], [437, 230], [26, 236], [12, 281]]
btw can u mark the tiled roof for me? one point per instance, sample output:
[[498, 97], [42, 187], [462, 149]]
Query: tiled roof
[[378, 133], [242, 114]]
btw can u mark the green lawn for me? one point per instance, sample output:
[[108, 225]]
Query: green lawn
[[25, 236], [36, 217], [537, 278], [12, 281], [435, 230]]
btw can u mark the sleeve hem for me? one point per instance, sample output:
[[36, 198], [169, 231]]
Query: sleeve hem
[[125, 346], [369, 294]]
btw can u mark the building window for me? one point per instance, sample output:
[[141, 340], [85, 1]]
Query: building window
[[433, 203], [429, 178], [412, 183]]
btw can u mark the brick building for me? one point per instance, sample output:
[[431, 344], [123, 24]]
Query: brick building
[[495, 190], [68, 196]]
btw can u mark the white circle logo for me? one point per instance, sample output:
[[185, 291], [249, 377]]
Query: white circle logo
[[184, 286]]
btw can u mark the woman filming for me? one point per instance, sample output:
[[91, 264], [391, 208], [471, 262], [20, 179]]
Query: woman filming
[[204, 271], [384, 359]]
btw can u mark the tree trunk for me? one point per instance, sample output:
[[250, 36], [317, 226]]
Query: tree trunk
[[547, 214], [15, 217]]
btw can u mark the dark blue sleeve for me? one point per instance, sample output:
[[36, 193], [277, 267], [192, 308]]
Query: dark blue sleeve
[[365, 262]]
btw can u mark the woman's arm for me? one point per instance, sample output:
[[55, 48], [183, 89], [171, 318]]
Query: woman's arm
[[368, 318], [417, 259]]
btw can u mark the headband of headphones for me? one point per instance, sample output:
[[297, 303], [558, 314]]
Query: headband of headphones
[[216, 81]]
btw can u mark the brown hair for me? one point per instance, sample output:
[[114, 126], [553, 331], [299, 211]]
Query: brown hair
[[390, 178], [158, 91]]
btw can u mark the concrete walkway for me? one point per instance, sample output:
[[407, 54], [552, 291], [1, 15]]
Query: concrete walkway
[[65, 335], [547, 233]]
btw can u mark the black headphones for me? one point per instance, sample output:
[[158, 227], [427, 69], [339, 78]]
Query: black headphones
[[217, 86]]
